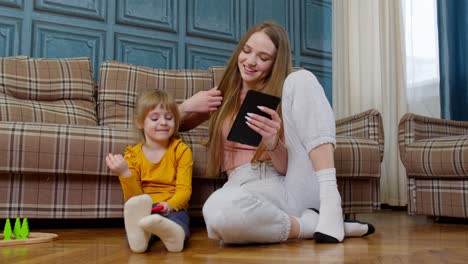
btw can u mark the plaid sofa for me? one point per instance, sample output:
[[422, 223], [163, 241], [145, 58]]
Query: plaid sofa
[[57, 124], [435, 154]]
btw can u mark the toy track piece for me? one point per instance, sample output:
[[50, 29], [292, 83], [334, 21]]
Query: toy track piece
[[157, 208], [34, 237]]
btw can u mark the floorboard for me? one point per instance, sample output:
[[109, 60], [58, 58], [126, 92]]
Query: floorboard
[[399, 238]]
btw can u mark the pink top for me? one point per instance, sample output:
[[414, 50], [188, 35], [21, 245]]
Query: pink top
[[236, 154]]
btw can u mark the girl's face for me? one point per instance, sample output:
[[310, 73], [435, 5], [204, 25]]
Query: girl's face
[[256, 59], [159, 125]]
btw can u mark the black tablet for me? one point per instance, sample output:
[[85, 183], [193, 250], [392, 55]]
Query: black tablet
[[240, 132]]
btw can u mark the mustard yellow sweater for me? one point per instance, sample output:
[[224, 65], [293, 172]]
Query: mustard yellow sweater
[[169, 180]]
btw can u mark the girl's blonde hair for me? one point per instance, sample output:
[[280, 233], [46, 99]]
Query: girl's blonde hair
[[231, 85], [147, 101]]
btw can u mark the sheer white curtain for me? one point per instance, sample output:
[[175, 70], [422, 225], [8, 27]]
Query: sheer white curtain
[[369, 72], [422, 57]]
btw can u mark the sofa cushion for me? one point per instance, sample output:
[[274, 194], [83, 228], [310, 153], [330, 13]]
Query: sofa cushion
[[357, 157], [120, 83], [217, 72], [59, 148], [438, 157], [47, 90]]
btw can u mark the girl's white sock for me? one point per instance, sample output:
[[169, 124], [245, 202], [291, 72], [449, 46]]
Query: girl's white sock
[[171, 234], [135, 209]]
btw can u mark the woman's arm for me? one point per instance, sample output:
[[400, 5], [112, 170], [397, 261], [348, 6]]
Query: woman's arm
[[196, 109], [269, 130], [279, 157], [192, 120]]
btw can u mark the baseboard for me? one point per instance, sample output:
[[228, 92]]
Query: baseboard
[[393, 207]]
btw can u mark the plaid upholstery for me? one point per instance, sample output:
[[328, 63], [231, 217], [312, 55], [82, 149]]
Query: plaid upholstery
[[47, 90], [217, 73], [58, 148], [438, 197], [359, 195], [120, 83], [367, 124], [358, 154], [433, 147], [197, 140], [438, 157], [57, 195], [357, 157], [58, 170], [435, 154]]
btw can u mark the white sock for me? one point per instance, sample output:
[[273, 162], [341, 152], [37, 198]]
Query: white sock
[[358, 229], [135, 209], [171, 234], [309, 220], [330, 227], [307, 223]]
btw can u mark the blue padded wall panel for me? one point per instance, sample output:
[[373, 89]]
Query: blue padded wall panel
[[154, 53], [60, 41], [12, 3], [9, 36], [218, 19], [172, 34], [279, 11], [316, 28], [199, 57], [93, 9], [162, 14]]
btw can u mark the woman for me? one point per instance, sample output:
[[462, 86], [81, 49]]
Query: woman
[[270, 188]]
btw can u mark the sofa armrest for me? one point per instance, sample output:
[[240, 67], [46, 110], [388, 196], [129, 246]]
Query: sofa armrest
[[413, 127], [367, 125], [58, 148]]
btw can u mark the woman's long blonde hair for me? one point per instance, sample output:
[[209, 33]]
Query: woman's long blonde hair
[[231, 85], [149, 99]]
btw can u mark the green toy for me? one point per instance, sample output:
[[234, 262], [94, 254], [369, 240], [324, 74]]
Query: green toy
[[20, 234], [20, 231], [24, 229], [7, 230], [17, 228]]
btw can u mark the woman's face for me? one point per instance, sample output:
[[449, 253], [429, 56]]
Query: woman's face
[[256, 59]]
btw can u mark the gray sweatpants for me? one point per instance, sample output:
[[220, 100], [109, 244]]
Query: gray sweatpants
[[255, 203]]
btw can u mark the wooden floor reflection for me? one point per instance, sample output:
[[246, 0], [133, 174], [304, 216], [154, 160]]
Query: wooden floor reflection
[[399, 238]]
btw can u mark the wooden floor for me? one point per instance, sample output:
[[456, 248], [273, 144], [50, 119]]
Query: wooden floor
[[398, 239]]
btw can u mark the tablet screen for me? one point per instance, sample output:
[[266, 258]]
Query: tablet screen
[[240, 132]]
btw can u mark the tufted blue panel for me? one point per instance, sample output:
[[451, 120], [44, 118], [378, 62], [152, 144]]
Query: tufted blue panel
[[9, 36], [171, 34]]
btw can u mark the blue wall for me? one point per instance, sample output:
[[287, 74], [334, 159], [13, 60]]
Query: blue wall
[[167, 34]]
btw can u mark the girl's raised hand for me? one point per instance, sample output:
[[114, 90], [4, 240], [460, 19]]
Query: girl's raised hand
[[118, 165], [267, 128]]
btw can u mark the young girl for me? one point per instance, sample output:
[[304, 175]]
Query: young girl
[[155, 174], [271, 188]]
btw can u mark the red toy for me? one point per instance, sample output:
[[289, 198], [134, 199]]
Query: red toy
[[157, 208]]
